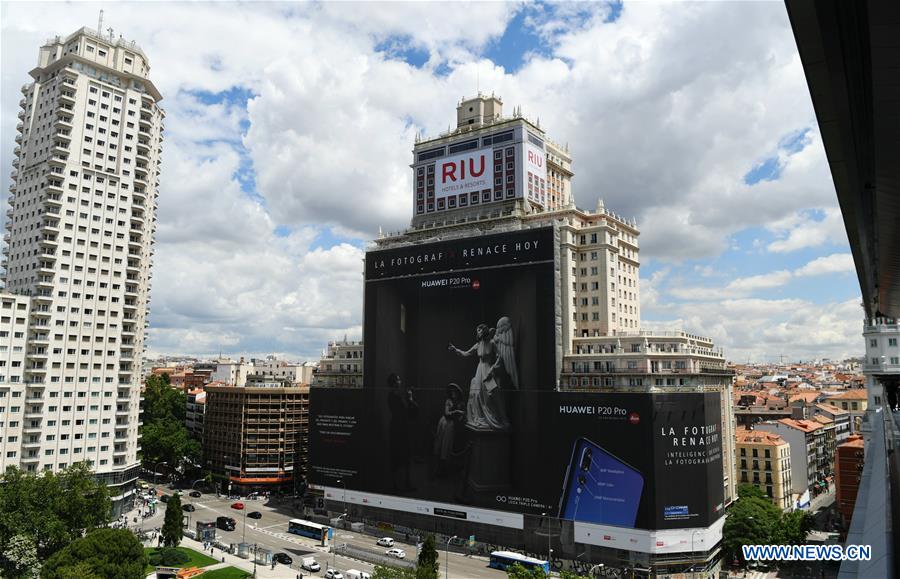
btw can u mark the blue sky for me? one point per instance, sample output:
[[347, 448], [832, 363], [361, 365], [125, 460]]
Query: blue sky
[[289, 129]]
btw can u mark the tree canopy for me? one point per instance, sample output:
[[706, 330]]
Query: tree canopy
[[101, 553], [754, 520], [172, 529], [164, 436], [162, 402], [428, 560], [52, 509]]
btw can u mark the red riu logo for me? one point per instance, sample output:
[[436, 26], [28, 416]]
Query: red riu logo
[[634, 418], [456, 170], [476, 284]]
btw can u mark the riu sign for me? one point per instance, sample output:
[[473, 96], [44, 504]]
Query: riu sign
[[468, 172]]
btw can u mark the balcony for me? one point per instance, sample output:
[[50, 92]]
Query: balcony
[[66, 97], [58, 160], [63, 122]]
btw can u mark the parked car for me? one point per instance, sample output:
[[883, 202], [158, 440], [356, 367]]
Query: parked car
[[333, 574], [282, 558], [386, 542], [196, 494], [356, 574], [164, 498], [238, 506], [255, 515], [310, 564], [398, 553], [225, 523], [188, 508]]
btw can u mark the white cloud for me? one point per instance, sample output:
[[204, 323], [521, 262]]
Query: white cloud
[[664, 110], [801, 230], [834, 263], [747, 286], [763, 330]]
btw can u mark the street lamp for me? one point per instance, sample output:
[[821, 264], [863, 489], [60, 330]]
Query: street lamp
[[244, 537], [447, 562], [333, 545], [598, 566], [693, 556], [345, 494], [155, 466]]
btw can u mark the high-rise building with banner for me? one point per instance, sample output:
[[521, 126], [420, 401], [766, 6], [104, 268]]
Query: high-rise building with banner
[[508, 391], [79, 241]]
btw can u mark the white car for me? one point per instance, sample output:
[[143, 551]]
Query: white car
[[310, 564], [398, 553], [386, 542], [333, 574]]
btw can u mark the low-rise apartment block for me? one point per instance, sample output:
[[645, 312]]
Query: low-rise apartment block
[[341, 365], [764, 460]]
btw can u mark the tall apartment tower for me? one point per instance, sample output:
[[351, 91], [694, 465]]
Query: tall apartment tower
[[79, 241]]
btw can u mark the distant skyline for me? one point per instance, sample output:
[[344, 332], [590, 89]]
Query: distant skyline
[[289, 129]]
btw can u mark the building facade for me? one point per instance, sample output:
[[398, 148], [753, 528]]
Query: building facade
[[341, 365], [237, 373], [491, 179], [195, 411], [882, 364], [809, 462], [849, 462], [79, 241], [840, 417], [255, 437], [764, 460], [855, 402]]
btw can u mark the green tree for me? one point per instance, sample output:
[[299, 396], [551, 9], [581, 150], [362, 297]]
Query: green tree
[[101, 553], [51, 509], [165, 437], [19, 559], [385, 572], [793, 528], [172, 528], [82, 570], [520, 572], [428, 560], [571, 575], [752, 520], [162, 402]]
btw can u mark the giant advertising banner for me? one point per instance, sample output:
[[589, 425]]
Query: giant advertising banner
[[536, 169], [461, 417], [469, 172]]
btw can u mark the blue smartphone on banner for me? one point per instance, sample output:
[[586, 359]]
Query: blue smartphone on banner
[[600, 488]]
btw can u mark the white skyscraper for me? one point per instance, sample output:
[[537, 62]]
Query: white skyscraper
[[79, 240]]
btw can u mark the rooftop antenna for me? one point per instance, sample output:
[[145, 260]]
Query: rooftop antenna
[[110, 30], [100, 23]]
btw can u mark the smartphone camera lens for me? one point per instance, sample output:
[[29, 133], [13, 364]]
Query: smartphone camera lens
[[586, 460]]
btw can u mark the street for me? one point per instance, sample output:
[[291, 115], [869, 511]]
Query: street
[[270, 532]]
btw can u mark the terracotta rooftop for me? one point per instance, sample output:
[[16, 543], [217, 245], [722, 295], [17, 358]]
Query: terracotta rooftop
[[808, 397], [857, 442], [823, 419], [831, 408], [854, 394], [745, 436], [804, 425]]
